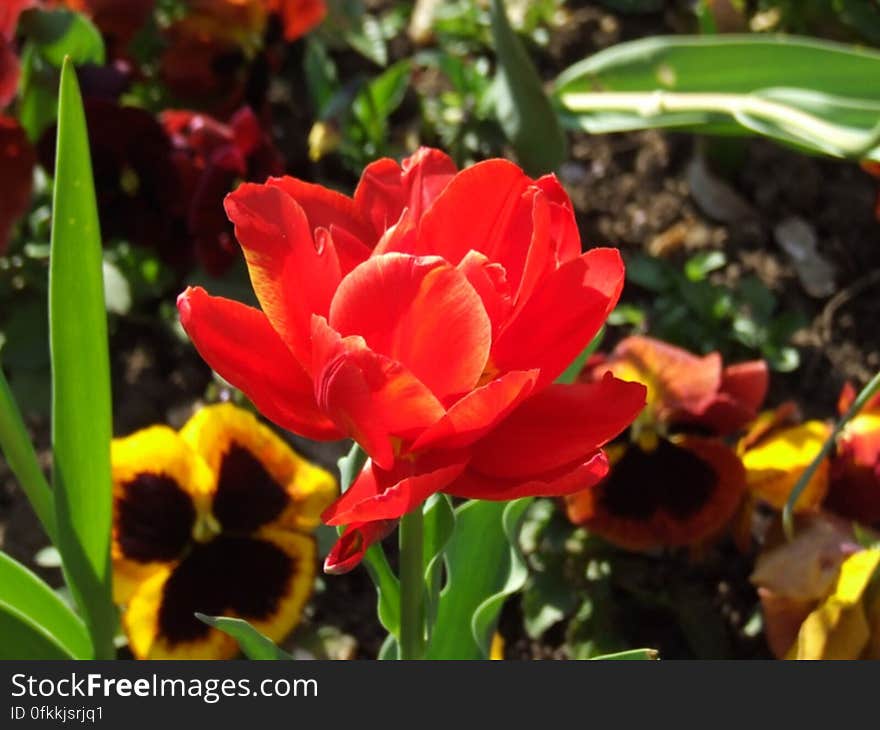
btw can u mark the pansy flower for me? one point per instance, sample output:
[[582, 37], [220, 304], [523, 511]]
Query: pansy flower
[[213, 519], [675, 482], [426, 318], [134, 177], [818, 593], [210, 158], [855, 466], [776, 450]]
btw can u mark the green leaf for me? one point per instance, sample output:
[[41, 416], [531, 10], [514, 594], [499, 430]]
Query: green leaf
[[484, 535], [350, 466], [523, 109], [34, 622], [817, 95], [252, 643], [439, 523], [699, 266], [22, 459], [387, 588], [81, 413], [62, 33], [379, 99], [637, 654], [38, 93]]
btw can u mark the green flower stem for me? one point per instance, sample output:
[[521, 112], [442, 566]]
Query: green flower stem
[[22, 459], [866, 394], [412, 586]]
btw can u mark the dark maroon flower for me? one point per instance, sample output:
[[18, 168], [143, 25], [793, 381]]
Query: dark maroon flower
[[17, 159], [211, 158]]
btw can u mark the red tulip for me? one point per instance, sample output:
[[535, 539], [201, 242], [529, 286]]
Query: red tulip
[[427, 318]]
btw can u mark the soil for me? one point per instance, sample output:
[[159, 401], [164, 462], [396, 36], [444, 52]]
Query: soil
[[630, 190]]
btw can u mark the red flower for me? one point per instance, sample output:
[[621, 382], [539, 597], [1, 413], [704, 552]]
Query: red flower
[[855, 467], [17, 160], [427, 318], [298, 17], [210, 157], [9, 64]]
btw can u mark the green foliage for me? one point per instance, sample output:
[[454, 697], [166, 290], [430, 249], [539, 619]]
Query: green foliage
[[815, 95], [252, 643], [16, 446], [35, 623], [52, 35], [522, 107], [81, 413], [472, 599], [688, 310]]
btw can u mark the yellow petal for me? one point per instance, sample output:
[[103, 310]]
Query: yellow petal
[[839, 628], [211, 432], [775, 464], [160, 452]]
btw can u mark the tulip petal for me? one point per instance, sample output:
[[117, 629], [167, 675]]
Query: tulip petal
[[371, 397], [563, 424], [489, 279], [547, 335], [240, 344], [478, 412], [386, 188], [292, 276], [325, 207], [421, 312], [379, 494], [353, 543], [555, 483], [475, 211]]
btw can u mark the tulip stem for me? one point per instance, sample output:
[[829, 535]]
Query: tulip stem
[[412, 586]]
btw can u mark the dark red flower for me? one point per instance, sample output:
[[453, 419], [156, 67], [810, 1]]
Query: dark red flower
[[138, 191], [17, 160], [210, 158], [10, 67], [427, 318], [855, 467]]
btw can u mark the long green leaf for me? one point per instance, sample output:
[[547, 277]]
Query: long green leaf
[[81, 413], [485, 535], [817, 95], [20, 455], [523, 108], [34, 622], [252, 643]]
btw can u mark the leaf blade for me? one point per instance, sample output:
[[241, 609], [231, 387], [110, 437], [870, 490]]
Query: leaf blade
[[46, 627], [81, 411], [252, 643]]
